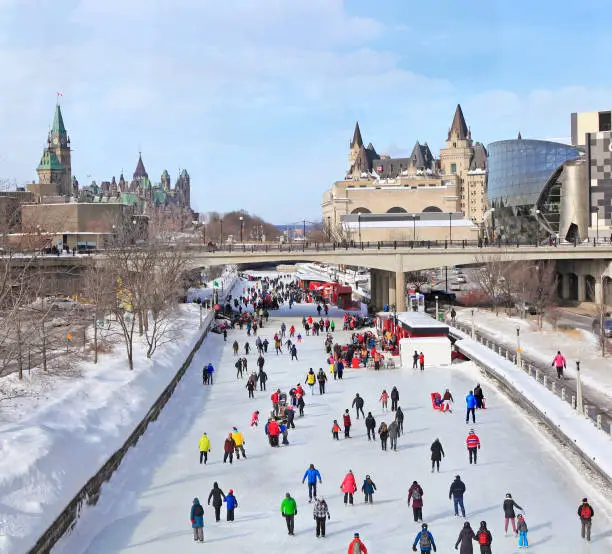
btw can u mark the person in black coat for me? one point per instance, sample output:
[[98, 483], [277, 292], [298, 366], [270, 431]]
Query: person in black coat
[[483, 534], [217, 496], [300, 405], [437, 453], [399, 418], [370, 424], [479, 396], [466, 536], [358, 405], [456, 492], [509, 515], [394, 398], [289, 415], [263, 377]]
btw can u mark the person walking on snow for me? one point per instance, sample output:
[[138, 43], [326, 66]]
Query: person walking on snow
[[416, 493], [312, 475], [348, 487], [473, 445], [204, 447], [320, 513], [322, 379], [522, 532], [294, 352], [255, 419], [393, 434], [238, 366], [346, 419], [394, 398], [238, 443], [447, 398], [466, 536], [383, 433], [356, 546], [484, 538], [247, 348], [585, 513], [509, 515], [422, 361], [232, 504], [368, 489], [479, 395], [235, 348], [262, 377], [437, 453], [336, 430], [358, 405], [289, 511], [415, 360], [311, 379], [197, 520], [217, 496], [399, 418], [275, 397], [384, 398], [470, 402], [456, 492], [560, 364], [425, 540], [370, 424], [228, 449], [250, 386]]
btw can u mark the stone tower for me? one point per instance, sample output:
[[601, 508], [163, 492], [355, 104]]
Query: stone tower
[[455, 158], [165, 180], [355, 146], [183, 189], [59, 144]]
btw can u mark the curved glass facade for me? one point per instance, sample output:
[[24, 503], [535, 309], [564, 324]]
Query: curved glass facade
[[518, 171]]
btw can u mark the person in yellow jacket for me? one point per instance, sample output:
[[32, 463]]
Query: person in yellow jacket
[[239, 442], [204, 447], [311, 379]]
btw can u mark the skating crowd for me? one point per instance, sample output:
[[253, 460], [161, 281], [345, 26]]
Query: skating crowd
[[362, 351]]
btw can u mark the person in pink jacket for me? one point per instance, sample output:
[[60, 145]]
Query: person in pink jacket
[[348, 487], [559, 363]]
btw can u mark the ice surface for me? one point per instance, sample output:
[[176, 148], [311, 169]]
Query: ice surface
[[145, 507]]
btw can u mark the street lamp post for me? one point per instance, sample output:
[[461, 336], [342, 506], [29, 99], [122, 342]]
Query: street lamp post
[[579, 406], [359, 226], [413, 228], [518, 347], [450, 228], [221, 224], [241, 228], [493, 223], [537, 227], [436, 307], [472, 323]]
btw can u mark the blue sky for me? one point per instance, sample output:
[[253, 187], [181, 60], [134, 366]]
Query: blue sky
[[258, 99]]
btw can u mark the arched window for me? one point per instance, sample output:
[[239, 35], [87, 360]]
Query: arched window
[[430, 209], [396, 210], [361, 211]]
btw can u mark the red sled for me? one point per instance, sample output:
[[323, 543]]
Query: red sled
[[436, 402]]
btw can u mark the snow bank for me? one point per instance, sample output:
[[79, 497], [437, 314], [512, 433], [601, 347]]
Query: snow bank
[[593, 443], [52, 444]]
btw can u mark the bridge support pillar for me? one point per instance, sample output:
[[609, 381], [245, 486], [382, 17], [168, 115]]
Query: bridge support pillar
[[392, 290], [565, 286], [581, 288], [598, 297], [400, 290], [384, 293]]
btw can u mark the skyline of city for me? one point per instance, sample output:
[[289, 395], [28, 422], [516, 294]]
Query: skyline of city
[[246, 101]]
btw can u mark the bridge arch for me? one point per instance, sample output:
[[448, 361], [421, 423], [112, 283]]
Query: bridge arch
[[397, 210], [361, 211], [572, 280], [431, 209]]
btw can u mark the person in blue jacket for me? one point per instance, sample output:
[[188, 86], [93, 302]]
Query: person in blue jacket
[[470, 401], [232, 504], [312, 475], [425, 540], [210, 370], [197, 520]]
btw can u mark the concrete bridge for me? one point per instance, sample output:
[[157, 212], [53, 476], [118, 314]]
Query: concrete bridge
[[585, 270]]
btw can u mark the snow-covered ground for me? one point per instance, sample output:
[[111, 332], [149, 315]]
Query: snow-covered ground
[[52, 442], [575, 344], [145, 507]]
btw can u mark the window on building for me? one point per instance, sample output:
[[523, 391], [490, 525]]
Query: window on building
[[605, 121], [453, 168]]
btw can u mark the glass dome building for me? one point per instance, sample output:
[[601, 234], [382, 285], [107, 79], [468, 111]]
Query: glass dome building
[[518, 172]]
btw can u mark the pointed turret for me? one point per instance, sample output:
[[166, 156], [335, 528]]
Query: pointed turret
[[58, 123], [458, 128], [140, 172], [357, 140], [519, 137]]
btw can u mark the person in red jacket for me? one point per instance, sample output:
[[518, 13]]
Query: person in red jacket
[[228, 449], [473, 445], [275, 398], [416, 493], [273, 432], [348, 487], [347, 424], [356, 546]]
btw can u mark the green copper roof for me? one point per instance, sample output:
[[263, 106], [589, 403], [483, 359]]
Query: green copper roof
[[159, 197], [165, 173], [58, 122], [184, 173], [49, 161], [128, 198]]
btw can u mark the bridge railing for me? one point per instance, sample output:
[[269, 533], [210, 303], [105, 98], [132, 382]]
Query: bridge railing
[[389, 245]]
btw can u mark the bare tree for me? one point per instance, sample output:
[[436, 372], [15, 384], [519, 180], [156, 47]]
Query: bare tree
[[416, 279], [490, 278], [541, 281], [601, 309]]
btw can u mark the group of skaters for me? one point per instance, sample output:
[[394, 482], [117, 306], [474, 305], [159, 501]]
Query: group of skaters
[[281, 420]]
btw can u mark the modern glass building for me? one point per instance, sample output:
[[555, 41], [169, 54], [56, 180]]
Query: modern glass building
[[518, 172]]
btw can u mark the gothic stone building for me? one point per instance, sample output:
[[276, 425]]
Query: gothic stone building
[[419, 183]]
